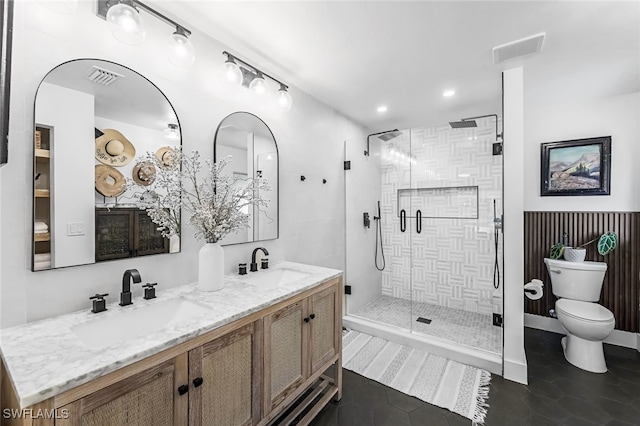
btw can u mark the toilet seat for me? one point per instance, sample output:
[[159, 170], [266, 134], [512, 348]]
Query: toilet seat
[[584, 311]]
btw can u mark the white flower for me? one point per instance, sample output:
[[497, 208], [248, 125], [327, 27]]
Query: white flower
[[213, 200]]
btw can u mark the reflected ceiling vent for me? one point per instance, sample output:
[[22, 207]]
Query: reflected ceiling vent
[[102, 76], [522, 47]]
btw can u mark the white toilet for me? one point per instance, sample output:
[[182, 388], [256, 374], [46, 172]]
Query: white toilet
[[578, 285]]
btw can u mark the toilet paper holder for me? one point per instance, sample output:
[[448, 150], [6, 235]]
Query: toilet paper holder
[[534, 289]]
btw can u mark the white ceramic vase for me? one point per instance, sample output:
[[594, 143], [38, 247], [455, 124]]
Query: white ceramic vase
[[211, 267], [575, 254]]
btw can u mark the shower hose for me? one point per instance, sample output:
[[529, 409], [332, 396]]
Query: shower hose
[[379, 233]]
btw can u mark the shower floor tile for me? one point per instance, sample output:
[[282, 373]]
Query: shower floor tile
[[456, 325]]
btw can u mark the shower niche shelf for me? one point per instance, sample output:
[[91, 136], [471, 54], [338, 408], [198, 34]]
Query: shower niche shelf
[[451, 202]]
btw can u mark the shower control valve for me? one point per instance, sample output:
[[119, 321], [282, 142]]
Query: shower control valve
[[366, 220]]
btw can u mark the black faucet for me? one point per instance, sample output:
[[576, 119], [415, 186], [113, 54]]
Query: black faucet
[[254, 266], [125, 296]]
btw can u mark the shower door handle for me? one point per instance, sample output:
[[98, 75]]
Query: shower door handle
[[403, 220], [418, 221]]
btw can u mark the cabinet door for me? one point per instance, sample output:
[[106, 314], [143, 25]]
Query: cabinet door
[[149, 398], [114, 234], [285, 361], [225, 378], [147, 239], [325, 329]]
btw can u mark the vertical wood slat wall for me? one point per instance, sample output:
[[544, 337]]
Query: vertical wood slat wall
[[621, 288]]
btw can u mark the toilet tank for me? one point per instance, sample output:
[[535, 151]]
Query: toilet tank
[[576, 280]]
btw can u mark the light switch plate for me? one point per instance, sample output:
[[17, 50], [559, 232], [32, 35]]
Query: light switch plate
[[75, 229]]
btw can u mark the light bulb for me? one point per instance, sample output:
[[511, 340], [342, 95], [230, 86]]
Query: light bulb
[[285, 101], [258, 84], [126, 24], [232, 71], [180, 49], [171, 132]]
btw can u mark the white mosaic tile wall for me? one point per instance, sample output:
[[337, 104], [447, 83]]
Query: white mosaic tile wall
[[450, 263]]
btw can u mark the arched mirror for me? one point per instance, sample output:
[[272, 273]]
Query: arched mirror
[[254, 153], [94, 121]]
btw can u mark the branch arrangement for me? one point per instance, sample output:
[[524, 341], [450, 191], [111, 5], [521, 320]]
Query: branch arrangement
[[214, 201]]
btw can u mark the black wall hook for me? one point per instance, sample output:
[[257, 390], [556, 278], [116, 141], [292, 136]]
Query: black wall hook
[[324, 181], [302, 178]]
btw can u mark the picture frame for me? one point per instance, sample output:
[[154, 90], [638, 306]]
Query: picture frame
[[6, 30], [576, 167]]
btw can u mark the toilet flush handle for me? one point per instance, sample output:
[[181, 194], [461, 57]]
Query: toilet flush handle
[[555, 271]]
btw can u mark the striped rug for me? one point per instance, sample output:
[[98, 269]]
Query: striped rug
[[448, 384]]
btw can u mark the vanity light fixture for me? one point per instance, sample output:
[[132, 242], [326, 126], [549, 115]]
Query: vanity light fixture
[[238, 71], [448, 93], [285, 101], [127, 25], [171, 132], [258, 84], [382, 108]]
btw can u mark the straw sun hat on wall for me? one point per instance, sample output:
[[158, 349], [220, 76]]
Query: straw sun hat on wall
[[109, 181], [114, 149]]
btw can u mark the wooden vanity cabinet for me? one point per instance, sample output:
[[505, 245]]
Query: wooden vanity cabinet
[[149, 398], [301, 341], [246, 373], [225, 375]]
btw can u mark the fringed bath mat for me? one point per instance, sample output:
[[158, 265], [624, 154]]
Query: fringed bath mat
[[448, 384]]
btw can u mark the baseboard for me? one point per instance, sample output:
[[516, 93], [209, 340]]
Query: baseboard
[[618, 337], [516, 371]]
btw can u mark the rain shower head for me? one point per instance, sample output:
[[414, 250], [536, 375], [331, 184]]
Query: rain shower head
[[389, 135], [463, 124], [385, 136]]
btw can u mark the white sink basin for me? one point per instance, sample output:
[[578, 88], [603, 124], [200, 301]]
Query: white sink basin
[[275, 277], [128, 325]]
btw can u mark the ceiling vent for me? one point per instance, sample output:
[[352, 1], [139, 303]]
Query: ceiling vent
[[102, 76], [514, 49]]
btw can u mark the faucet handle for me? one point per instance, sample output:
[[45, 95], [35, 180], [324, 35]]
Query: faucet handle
[[99, 296], [99, 304], [149, 290]]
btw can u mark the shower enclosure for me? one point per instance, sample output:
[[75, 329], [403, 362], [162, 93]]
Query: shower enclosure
[[437, 234]]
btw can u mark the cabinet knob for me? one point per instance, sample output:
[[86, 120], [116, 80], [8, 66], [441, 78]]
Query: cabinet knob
[[183, 389], [312, 316], [306, 319], [197, 382]]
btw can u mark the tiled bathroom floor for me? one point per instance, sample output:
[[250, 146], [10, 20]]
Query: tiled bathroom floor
[[456, 325], [558, 394]]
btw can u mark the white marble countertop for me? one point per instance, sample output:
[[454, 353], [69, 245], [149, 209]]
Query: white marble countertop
[[46, 357]]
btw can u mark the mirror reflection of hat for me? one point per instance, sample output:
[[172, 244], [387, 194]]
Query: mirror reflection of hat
[[114, 149]]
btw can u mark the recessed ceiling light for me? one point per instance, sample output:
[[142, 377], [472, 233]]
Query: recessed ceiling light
[[448, 93], [382, 108]]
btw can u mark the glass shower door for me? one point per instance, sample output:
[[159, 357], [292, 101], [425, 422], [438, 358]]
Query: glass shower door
[[378, 260]]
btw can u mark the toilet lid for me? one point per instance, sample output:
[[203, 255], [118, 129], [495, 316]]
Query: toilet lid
[[584, 310]]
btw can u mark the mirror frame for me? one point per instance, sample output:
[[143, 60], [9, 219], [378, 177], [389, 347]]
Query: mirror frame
[[215, 159], [6, 32], [33, 156]]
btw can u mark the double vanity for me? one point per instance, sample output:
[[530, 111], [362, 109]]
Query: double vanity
[[259, 350]]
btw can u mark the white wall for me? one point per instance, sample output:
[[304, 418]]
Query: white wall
[[310, 140], [616, 116], [70, 114]]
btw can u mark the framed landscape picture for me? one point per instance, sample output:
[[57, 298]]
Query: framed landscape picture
[[576, 167]]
